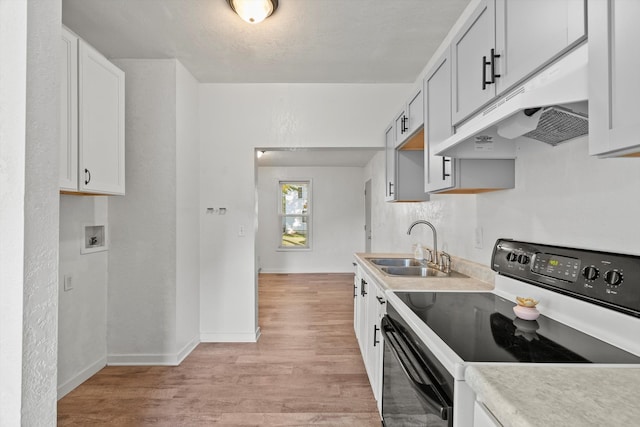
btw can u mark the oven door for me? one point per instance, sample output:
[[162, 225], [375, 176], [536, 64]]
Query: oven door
[[410, 396]]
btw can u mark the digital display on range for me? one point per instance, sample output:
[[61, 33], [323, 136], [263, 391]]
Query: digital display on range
[[556, 266]]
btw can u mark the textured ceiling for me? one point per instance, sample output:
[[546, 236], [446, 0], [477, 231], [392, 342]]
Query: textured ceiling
[[304, 41]]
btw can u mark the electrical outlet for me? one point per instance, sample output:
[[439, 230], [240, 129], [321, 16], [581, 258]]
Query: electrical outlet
[[68, 283], [478, 238]]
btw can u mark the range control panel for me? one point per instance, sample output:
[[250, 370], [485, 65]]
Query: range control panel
[[604, 278]]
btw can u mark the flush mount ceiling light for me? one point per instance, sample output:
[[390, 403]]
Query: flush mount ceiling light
[[253, 11]]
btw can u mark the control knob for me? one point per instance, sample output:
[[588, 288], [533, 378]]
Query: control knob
[[523, 259], [613, 277], [512, 256], [590, 273]]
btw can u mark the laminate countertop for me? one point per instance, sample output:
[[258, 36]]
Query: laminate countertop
[[542, 396], [480, 277]]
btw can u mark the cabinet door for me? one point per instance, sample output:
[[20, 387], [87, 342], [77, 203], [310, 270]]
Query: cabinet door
[[614, 87], [381, 308], [356, 306], [69, 112], [363, 339], [437, 91], [374, 341], [531, 33], [401, 126], [415, 111], [470, 49], [390, 163], [101, 123]]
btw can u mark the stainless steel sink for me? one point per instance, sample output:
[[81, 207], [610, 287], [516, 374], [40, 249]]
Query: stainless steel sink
[[411, 267], [398, 262], [419, 272]]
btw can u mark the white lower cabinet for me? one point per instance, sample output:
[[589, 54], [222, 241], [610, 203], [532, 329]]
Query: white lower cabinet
[[370, 307], [92, 120]]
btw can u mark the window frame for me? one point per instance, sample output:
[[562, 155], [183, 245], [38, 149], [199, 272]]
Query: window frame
[[309, 215]]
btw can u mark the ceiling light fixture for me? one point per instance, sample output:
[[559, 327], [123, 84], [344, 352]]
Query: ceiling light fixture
[[253, 11]]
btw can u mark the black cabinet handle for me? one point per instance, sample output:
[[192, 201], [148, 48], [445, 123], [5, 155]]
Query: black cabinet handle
[[390, 188], [492, 64], [355, 291], [444, 173], [87, 180], [354, 264], [380, 300], [403, 124], [494, 76], [484, 72], [375, 335], [363, 287]]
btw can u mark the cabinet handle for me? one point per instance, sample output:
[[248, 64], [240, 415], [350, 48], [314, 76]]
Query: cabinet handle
[[354, 264], [494, 76], [403, 125], [390, 188], [484, 72], [87, 180], [355, 288], [380, 300], [363, 287], [444, 163], [375, 335]]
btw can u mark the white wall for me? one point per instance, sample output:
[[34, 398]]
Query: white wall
[[187, 213], [337, 205], [153, 262], [82, 311], [29, 128], [562, 197], [142, 259], [236, 118]]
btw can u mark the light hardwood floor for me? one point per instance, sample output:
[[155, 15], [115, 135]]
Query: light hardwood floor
[[306, 369]]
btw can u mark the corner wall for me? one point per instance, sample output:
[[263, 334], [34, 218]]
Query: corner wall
[[29, 129]]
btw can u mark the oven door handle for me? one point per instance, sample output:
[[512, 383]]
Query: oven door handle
[[427, 391]]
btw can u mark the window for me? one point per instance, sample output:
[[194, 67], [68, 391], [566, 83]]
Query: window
[[295, 214]]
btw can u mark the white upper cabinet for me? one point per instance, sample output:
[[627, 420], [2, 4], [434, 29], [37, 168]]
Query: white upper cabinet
[[101, 123], [411, 117], [69, 112], [92, 120], [503, 42], [614, 87], [529, 33], [390, 163], [471, 61], [437, 93]]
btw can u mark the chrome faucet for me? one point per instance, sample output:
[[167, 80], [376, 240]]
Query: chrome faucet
[[435, 238]]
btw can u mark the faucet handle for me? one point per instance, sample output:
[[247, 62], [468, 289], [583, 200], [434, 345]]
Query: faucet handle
[[445, 262], [430, 256]]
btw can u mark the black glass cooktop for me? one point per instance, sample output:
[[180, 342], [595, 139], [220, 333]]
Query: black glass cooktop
[[481, 327]]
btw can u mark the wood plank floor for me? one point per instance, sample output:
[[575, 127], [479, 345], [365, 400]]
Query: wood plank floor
[[306, 369]]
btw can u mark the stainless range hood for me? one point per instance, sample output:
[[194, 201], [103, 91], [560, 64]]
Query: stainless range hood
[[550, 107]]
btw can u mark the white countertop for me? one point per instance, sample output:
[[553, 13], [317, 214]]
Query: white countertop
[[407, 283], [542, 396]]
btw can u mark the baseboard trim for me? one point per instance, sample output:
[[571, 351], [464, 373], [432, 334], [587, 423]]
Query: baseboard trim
[[289, 271], [80, 377], [230, 337], [188, 348]]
